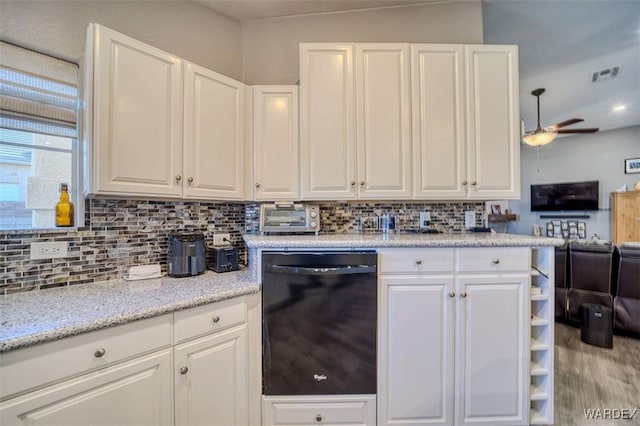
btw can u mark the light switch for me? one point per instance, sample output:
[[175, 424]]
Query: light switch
[[469, 219]]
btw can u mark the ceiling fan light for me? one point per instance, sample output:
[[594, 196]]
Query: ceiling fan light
[[539, 138]]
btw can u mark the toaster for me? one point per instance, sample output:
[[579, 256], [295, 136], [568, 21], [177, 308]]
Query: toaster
[[222, 258], [186, 256]]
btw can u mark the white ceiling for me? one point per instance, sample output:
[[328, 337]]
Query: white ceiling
[[561, 43]]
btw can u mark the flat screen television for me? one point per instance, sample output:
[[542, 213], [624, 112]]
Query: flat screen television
[[555, 197]]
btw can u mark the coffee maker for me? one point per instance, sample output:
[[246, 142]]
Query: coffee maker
[[186, 256]]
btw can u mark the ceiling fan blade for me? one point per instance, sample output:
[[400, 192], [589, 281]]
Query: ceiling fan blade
[[588, 130], [567, 123]]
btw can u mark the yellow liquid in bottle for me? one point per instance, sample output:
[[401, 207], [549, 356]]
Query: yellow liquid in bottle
[[64, 208]]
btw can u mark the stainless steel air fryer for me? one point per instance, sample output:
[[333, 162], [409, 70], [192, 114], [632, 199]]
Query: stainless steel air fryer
[[186, 255]]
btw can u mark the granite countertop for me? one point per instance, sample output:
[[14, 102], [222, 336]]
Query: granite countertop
[[358, 241], [36, 317]]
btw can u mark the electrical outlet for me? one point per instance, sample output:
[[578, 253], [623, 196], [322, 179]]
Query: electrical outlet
[[49, 250], [425, 219], [470, 219], [219, 239]]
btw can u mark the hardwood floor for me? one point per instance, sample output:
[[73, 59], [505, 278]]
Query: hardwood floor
[[590, 377]]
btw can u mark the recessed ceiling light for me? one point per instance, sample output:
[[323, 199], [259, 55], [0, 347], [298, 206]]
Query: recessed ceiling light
[[619, 108]]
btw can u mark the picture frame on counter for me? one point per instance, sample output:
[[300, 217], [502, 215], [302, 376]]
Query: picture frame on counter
[[632, 165]]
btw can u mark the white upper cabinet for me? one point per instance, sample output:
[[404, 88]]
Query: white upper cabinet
[[136, 126], [493, 121], [439, 149], [327, 112], [140, 141], [466, 136], [275, 144], [339, 102], [383, 112], [213, 135]]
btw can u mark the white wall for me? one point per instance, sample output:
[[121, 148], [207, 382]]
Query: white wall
[[270, 46], [599, 156], [183, 28]]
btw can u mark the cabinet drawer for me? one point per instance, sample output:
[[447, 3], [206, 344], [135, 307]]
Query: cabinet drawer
[[415, 261], [493, 259], [36, 366], [209, 318], [325, 410]]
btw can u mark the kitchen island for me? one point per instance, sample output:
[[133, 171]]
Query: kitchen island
[[465, 329]]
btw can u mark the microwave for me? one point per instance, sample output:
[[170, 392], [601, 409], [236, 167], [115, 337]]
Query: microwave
[[289, 218]]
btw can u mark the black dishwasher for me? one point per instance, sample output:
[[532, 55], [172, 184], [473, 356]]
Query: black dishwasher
[[319, 322]]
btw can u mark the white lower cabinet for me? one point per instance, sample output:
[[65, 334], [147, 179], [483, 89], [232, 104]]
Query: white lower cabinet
[[131, 375], [453, 346], [132, 393], [348, 410], [211, 380]]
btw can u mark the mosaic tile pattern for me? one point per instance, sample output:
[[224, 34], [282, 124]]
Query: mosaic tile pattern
[[119, 234], [124, 233]]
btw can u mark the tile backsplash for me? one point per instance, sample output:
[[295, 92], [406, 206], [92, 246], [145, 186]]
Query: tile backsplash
[[124, 233]]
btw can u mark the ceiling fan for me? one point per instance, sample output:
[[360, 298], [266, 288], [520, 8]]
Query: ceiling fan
[[542, 136]]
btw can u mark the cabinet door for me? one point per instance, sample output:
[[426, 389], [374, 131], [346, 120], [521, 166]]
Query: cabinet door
[[493, 121], [213, 390], [137, 392], [492, 363], [327, 137], [137, 117], [275, 142], [625, 217], [213, 135], [383, 116], [415, 353], [439, 139]]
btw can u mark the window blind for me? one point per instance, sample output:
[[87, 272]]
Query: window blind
[[38, 93]]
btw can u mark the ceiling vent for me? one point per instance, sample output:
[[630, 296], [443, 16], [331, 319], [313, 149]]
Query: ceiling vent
[[605, 74]]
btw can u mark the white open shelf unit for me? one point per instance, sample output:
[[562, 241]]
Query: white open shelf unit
[[542, 340]]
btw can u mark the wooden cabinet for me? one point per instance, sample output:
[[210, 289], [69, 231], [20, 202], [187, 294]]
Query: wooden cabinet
[[625, 217], [140, 141], [453, 346], [134, 116], [274, 158], [334, 163], [466, 131]]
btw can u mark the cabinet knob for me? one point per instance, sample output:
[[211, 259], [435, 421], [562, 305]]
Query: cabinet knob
[[418, 262], [463, 295], [190, 180], [464, 183], [184, 370], [495, 261], [361, 183], [353, 183], [474, 183], [99, 353], [216, 319], [452, 295], [178, 178], [257, 185], [318, 417]]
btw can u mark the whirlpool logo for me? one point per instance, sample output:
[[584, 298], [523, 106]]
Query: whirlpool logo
[[319, 377]]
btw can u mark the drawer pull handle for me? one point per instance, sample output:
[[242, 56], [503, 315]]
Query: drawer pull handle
[[318, 417], [99, 353], [495, 261], [463, 295], [184, 370], [418, 262], [452, 295], [216, 319]]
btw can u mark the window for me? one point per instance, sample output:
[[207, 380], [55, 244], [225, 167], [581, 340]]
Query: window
[[38, 136]]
